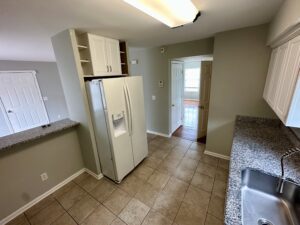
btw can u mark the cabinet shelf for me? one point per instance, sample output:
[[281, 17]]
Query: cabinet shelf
[[122, 52], [82, 47], [84, 61]]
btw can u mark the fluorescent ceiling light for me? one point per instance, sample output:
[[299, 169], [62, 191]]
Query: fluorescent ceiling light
[[173, 13]]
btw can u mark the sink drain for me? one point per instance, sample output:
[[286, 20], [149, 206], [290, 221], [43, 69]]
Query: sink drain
[[263, 221]]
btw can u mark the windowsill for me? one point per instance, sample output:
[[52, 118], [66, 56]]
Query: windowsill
[[35, 133]]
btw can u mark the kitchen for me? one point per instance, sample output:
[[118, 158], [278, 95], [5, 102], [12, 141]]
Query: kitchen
[[253, 102]]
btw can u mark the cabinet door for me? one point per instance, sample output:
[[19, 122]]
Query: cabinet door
[[97, 46], [275, 74], [113, 56], [288, 78], [271, 72]]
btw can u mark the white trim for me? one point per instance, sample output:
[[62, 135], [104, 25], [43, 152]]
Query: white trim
[[159, 134], [289, 33], [207, 152], [46, 194], [97, 176]]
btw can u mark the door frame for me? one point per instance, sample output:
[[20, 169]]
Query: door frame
[[170, 94], [33, 72]]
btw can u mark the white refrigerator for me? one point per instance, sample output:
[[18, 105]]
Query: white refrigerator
[[118, 114]]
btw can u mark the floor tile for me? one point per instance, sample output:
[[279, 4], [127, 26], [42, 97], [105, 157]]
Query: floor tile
[[83, 208], [179, 149], [68, 199], [65, 219], [190, 215], [203, 182], [134, 213], [184, 174], [216, 207], [213, 161], [167, 205], [158, 179], [184, 143], [160, 154], [81, 177], [152, 162], [117, 221], [223, 164], [131, 184], [117, 201], [197, 197], [188, 163], [100, 216], [222, 174], [89, 183], [147, 194], [176, 187], [211, 220], [175, 155], [103, 189], [206, 169], [143, 172], [39, 206], [63, 189], [197, 147], [194, 154], [155, 218], [47, 215], [169, 166], [219, 188], [19, 220]]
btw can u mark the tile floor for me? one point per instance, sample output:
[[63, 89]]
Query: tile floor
[[176, 185]]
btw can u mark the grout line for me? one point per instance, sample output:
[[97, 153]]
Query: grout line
[[66, 211]]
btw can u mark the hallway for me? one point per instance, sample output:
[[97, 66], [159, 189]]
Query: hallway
[[189, 128]]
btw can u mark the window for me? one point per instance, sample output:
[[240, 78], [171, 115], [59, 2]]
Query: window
[[21, 103], [192, 80]]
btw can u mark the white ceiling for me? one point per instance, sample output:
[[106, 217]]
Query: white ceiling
[[27, 26]]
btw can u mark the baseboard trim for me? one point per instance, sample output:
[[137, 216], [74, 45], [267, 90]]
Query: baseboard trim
[[97, 176], [46, 194], [207, 152], [159, 134]]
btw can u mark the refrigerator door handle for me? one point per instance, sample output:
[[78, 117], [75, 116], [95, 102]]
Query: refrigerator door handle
[[127, 110], [129, 98]]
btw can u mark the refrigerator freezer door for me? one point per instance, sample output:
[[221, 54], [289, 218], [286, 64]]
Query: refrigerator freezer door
[[118, 125], [136, 99], [100, 127]]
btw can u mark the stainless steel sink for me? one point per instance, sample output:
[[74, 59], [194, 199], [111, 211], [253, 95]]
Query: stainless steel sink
[[263, 205]]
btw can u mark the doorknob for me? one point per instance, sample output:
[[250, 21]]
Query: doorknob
[[9, 111], [173, 105]]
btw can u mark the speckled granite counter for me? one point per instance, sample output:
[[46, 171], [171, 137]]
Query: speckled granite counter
[[35, 133], [257, 143]]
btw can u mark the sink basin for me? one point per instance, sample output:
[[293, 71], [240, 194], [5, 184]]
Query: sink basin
[[263, 205]]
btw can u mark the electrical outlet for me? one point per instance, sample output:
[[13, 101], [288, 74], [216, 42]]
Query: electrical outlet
[[44, 176]]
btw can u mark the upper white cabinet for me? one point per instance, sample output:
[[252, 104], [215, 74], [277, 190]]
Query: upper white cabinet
[[105, 55], [282, 89]]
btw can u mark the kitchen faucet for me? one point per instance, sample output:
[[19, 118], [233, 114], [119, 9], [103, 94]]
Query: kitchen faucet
[[282, 179]]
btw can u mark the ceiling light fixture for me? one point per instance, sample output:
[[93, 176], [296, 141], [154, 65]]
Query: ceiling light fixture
[[173, 13]]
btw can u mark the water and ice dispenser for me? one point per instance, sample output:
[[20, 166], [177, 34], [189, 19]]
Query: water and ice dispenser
[[119, 124]]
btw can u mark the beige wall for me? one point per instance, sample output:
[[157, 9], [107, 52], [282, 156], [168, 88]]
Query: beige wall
[[288, 15], [154, 66], [20, 168], [240, 66]]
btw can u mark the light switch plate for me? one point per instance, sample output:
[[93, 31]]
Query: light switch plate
[[153, 97]]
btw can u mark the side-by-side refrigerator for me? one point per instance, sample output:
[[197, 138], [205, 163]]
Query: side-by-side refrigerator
[[118, 114]]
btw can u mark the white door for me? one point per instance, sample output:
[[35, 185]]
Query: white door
[[176, 92], [288, 79], [22, 100], [118, 117], [280, 55], [205, 77], [113, 56], [97, 46], [137, 120]]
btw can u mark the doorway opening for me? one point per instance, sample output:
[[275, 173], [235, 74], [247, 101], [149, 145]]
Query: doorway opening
[[190, 92]]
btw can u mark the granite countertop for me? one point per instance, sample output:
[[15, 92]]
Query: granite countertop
[[257, 143], [12, 140]]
